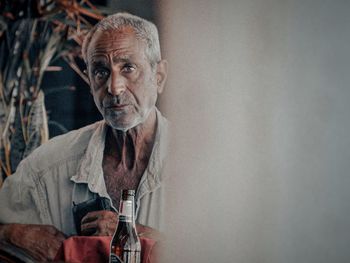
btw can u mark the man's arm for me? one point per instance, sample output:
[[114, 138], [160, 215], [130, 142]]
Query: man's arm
[[20, 217], [39, 241]]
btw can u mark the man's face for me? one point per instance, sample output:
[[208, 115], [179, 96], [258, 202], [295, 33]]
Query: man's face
[[123, 84]]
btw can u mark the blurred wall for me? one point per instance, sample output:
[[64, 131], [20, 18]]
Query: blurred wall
[[258, 96]]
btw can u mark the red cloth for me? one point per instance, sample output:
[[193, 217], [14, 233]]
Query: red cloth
[[82, 249]]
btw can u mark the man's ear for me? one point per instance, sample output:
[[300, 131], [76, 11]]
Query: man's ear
[[162, 73]]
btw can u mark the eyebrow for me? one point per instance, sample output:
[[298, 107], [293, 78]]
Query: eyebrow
[[123, 59], [103, 61]]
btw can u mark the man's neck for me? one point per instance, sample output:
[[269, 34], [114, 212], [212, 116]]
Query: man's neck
[[133, 145]]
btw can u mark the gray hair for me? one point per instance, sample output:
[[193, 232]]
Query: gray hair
[[144, 30]]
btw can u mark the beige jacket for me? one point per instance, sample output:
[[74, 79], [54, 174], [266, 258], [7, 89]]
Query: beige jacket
[[69, 168]]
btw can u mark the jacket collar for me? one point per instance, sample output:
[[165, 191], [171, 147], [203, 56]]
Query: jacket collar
[[90, 169]]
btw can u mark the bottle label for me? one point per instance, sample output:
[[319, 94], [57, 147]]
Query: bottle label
[[126, 210]]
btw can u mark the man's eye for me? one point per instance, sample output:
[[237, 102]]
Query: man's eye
[[128, 68], [101, 73]]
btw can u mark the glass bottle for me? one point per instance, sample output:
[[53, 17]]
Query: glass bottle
[[125, 244]]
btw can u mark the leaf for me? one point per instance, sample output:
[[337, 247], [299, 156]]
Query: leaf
[[37, 128], [27, 48], [10, 118], [14, 65], [18, 144], [5, 156], [3, 106], [3, 25], [4, 168], [48, 53]]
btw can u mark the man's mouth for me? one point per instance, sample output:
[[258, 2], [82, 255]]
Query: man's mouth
[[117, 106]]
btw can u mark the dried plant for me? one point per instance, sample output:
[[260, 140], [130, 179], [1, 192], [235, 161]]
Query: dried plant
[[33, 33]]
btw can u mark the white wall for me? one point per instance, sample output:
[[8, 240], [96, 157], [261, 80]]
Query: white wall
[[259, 99]]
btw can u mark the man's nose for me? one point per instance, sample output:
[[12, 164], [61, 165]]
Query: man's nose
[[117, 84]]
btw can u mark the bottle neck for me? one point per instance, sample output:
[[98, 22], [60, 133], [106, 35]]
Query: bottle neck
[[126, 210]]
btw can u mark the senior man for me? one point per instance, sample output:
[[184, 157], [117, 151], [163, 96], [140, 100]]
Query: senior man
[[124, 151]]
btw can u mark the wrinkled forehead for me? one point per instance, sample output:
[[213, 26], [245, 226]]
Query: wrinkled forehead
[[124, 31], [115, 41]]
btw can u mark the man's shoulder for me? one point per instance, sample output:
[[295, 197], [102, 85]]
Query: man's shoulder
[[62, 148]]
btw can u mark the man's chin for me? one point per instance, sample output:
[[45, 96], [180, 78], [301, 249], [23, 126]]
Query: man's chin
[[122, 126], [126, 122]]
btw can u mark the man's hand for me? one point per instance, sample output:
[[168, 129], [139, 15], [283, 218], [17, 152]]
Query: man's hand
[[99, 223], [104, 223], [39, 241]]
